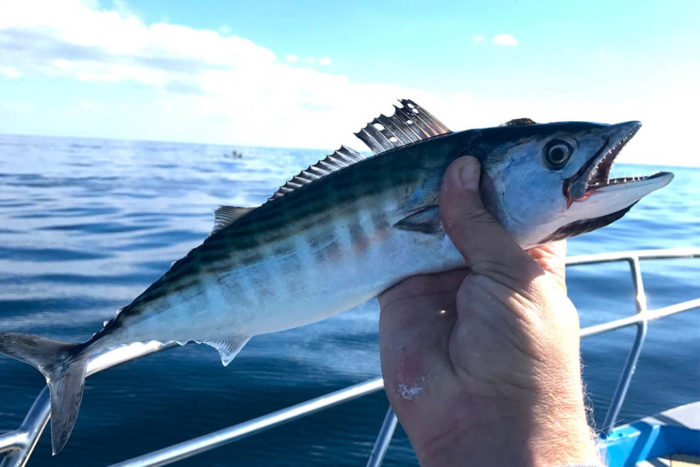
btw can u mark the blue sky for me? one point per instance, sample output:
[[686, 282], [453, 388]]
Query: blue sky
[[309, 73]]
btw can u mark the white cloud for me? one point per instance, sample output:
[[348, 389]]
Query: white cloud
[[478, 38], [172, 82], [10, 72], [505, 39], [68, 38], [201, 85]]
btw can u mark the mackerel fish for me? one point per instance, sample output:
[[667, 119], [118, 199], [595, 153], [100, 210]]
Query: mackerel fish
[[347, 228]]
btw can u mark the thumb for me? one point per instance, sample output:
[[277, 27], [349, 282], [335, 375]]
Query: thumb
[[486, 246]]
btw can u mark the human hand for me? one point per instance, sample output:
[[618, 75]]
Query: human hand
[[481, 364]]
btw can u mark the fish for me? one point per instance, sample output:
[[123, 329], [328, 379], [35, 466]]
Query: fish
[[348, 227]]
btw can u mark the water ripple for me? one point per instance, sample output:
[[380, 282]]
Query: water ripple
[[48, 254]]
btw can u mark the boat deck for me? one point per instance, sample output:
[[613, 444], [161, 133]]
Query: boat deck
[[675, 460]]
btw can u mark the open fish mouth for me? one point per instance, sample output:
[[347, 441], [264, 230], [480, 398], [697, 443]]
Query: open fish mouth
[[593, 199], [594, 175]]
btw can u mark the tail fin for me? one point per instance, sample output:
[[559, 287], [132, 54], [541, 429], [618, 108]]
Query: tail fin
[[64, 366]]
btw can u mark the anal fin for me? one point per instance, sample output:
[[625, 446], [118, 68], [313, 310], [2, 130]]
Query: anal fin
[[228, 348]]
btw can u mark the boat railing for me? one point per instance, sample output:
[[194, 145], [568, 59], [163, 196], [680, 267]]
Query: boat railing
[[19, 444]]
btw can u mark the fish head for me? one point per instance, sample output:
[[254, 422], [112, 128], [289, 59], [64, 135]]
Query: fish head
[[551, 181]]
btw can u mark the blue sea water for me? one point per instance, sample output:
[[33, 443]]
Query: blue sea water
[[87, 224]]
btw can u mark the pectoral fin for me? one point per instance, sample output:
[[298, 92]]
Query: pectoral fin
[[426, 220]]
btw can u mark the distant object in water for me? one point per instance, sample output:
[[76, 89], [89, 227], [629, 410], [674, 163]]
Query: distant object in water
[[234, 154]]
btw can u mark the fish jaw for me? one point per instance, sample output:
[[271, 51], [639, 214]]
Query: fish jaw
[[605, 203], [617, 194], [596, 169], [592, 180]]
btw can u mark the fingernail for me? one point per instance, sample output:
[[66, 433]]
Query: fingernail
[[469, 174]]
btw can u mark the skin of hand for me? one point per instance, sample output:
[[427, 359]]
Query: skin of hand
[[482, 364]]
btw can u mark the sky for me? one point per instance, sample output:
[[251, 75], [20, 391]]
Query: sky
[[309, 73]]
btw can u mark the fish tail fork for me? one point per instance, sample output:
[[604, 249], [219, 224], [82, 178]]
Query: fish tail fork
[[64, 366]]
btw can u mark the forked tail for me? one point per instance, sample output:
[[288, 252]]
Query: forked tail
[[64, 366]]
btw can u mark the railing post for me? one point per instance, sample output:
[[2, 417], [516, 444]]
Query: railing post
[[381, 445], [32, 426], [623, 383]]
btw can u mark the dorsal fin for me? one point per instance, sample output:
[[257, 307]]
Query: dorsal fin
[[519, 122], [343, 157], [226, 215], [410, 123]]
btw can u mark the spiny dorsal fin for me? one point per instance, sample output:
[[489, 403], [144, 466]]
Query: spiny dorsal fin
[[226, 215], [410, 123], [519, 122], [343, 157]]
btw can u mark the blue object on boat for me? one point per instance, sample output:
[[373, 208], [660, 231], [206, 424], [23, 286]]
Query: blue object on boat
[[676, 431]]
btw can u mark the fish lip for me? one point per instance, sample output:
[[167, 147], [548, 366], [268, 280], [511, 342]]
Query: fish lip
[[594, 174]]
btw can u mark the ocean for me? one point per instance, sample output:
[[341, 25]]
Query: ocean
[[87, 224]]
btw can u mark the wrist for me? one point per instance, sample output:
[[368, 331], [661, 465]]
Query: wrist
[[533, 432], [564, 437]]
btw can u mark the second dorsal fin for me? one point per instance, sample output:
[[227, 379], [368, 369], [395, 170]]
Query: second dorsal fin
[[519, 122], [409, 124], [343, 157]]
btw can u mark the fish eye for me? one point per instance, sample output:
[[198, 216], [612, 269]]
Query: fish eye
[[557, 153]]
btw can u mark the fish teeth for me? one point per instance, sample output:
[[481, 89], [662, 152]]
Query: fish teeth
[[618, 180]]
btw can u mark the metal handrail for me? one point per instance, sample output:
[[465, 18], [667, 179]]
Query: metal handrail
[[19, 444], [381, 444]]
